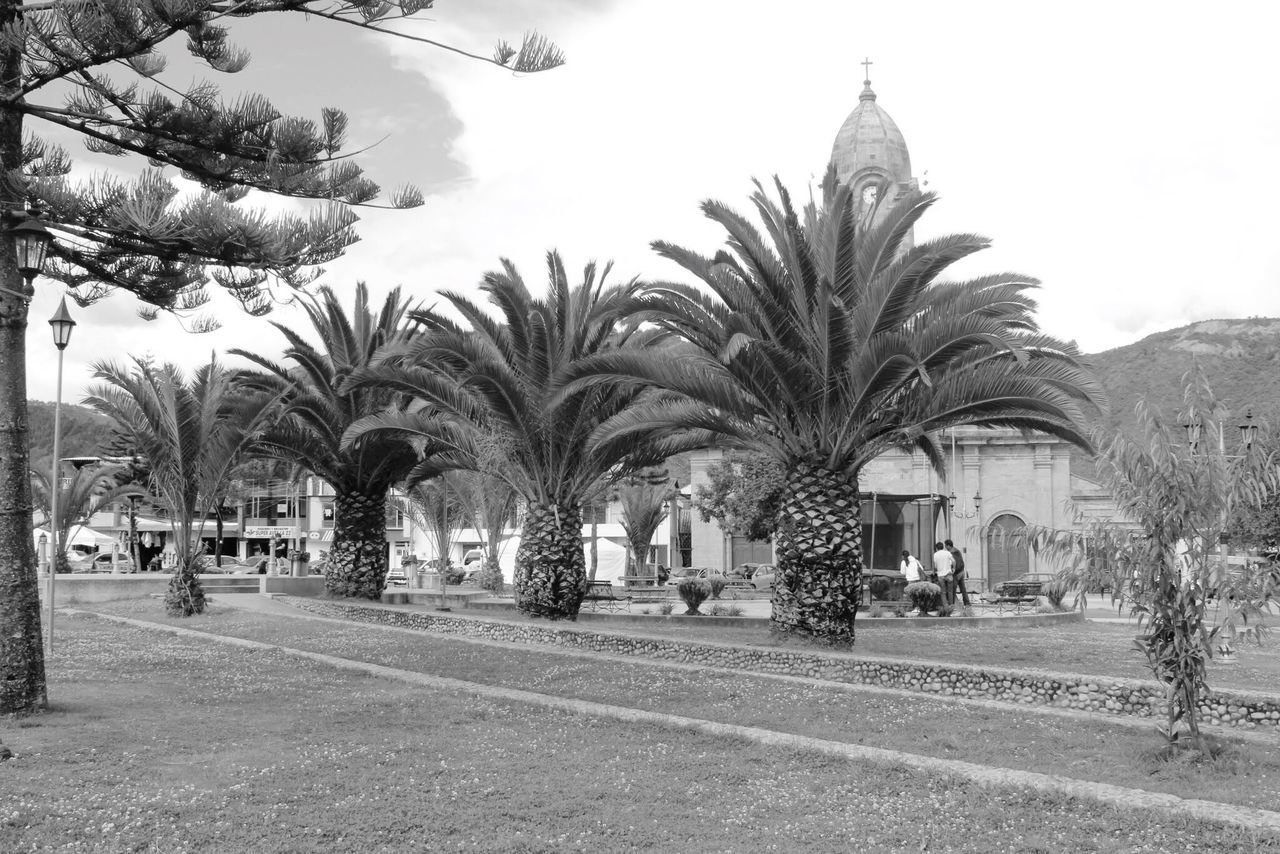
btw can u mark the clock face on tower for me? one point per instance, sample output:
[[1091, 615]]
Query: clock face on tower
[[869, 195]]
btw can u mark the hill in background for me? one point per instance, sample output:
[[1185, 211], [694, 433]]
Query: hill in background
[[84, 432], [1240, 359]]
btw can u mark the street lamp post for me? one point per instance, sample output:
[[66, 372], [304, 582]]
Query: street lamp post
[[1248, 434], [62, 324]]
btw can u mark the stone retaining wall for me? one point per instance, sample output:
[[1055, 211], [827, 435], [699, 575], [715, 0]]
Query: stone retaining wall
[[1086, 693]]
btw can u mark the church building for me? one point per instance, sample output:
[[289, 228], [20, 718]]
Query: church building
[[996, 480]]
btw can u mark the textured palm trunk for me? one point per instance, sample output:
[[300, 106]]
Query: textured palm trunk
[[358, 560], [185, 595], [819, 552], [550, 566], [22, 679]]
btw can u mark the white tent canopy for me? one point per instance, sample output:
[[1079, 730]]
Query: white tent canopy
[[79, 537], [611, 560]]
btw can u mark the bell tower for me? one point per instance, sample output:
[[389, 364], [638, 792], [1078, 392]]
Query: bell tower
[[870, 154]]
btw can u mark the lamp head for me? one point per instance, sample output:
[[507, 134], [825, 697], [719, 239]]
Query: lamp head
[[30, 244], [62, 325]]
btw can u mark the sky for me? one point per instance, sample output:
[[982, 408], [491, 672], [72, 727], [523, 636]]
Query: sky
[[1126, 155]]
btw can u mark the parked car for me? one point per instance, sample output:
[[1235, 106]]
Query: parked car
[[678, 575], [101, 562], [472, 556], [1026, 578], [764, 576]]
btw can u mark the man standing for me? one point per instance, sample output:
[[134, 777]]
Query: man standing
[[959, 571], [944, 565]]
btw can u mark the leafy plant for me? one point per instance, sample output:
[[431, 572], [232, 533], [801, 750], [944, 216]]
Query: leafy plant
[[666, 608], [925, 596], [694, 591], [1174, 495], [717, 584], [743, 494], [490, 576], [1056, 592], [880, 587]]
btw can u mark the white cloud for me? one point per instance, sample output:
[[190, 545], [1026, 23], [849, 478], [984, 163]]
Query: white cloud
[[1124, 154]]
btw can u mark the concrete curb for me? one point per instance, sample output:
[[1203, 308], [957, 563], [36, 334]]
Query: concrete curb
[[1117, 796]]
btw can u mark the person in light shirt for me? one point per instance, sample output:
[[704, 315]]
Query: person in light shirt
[[945, 566], [911, 568]]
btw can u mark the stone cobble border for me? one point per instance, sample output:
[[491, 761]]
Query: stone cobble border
[[1109, 695]]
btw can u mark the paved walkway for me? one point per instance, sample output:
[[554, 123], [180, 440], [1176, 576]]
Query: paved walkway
[[1119, 796]]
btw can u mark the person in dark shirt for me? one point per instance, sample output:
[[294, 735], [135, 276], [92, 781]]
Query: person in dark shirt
[[959, 571]]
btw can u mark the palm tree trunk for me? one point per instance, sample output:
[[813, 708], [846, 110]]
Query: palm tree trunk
[[819, 549], [185, 596], [358, 560], [550, 566]]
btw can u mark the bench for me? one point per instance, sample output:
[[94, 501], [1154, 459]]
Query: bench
[[600, 595], [639, 581], [1017, 595]]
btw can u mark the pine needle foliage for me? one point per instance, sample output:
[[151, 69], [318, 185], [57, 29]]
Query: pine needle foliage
[[96, 70]]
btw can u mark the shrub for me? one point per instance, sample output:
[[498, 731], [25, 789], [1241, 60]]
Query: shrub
[[880, 587], [725, 611], [876, 610], [717, 583], [1056, 592], [925, 596], [666, 608], [694, 591], [490, 576], [453, 574]]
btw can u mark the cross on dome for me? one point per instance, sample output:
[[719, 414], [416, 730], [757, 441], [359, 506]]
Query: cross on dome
[[866, 70]]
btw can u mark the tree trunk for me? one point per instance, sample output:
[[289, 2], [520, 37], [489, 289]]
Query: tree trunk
[[185, 595], [819, 548], [22, 679], [358, 559], [550, 566]]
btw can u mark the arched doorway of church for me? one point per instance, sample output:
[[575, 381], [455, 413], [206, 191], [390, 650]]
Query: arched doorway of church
[[1006, 558]]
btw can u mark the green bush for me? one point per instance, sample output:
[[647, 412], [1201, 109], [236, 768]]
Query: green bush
[[490, 576], [666, 608], [1056, 592], [694, 591], [924, 595], [880, 587], [718, 583]]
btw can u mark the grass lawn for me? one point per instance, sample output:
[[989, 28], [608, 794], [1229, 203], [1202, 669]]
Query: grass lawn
[[164, 744], [1082, 748]]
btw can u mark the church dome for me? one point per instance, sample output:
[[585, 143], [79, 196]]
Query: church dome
[[869, 141]]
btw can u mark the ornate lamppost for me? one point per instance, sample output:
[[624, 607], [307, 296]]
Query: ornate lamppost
[[62, 324]]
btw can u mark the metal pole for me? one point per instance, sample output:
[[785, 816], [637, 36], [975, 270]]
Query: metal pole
[[53, 495]]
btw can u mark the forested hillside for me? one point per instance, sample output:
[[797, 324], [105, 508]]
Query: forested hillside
[[1240, 358], [84, 432]]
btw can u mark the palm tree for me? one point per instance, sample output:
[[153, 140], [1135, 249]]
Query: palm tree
[[823, 345], [318, 410], [192, 434], [644, 497], [500, 406], [87, 489], [488, 505]]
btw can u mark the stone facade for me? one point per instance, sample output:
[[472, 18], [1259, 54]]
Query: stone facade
[[1018, 480]]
